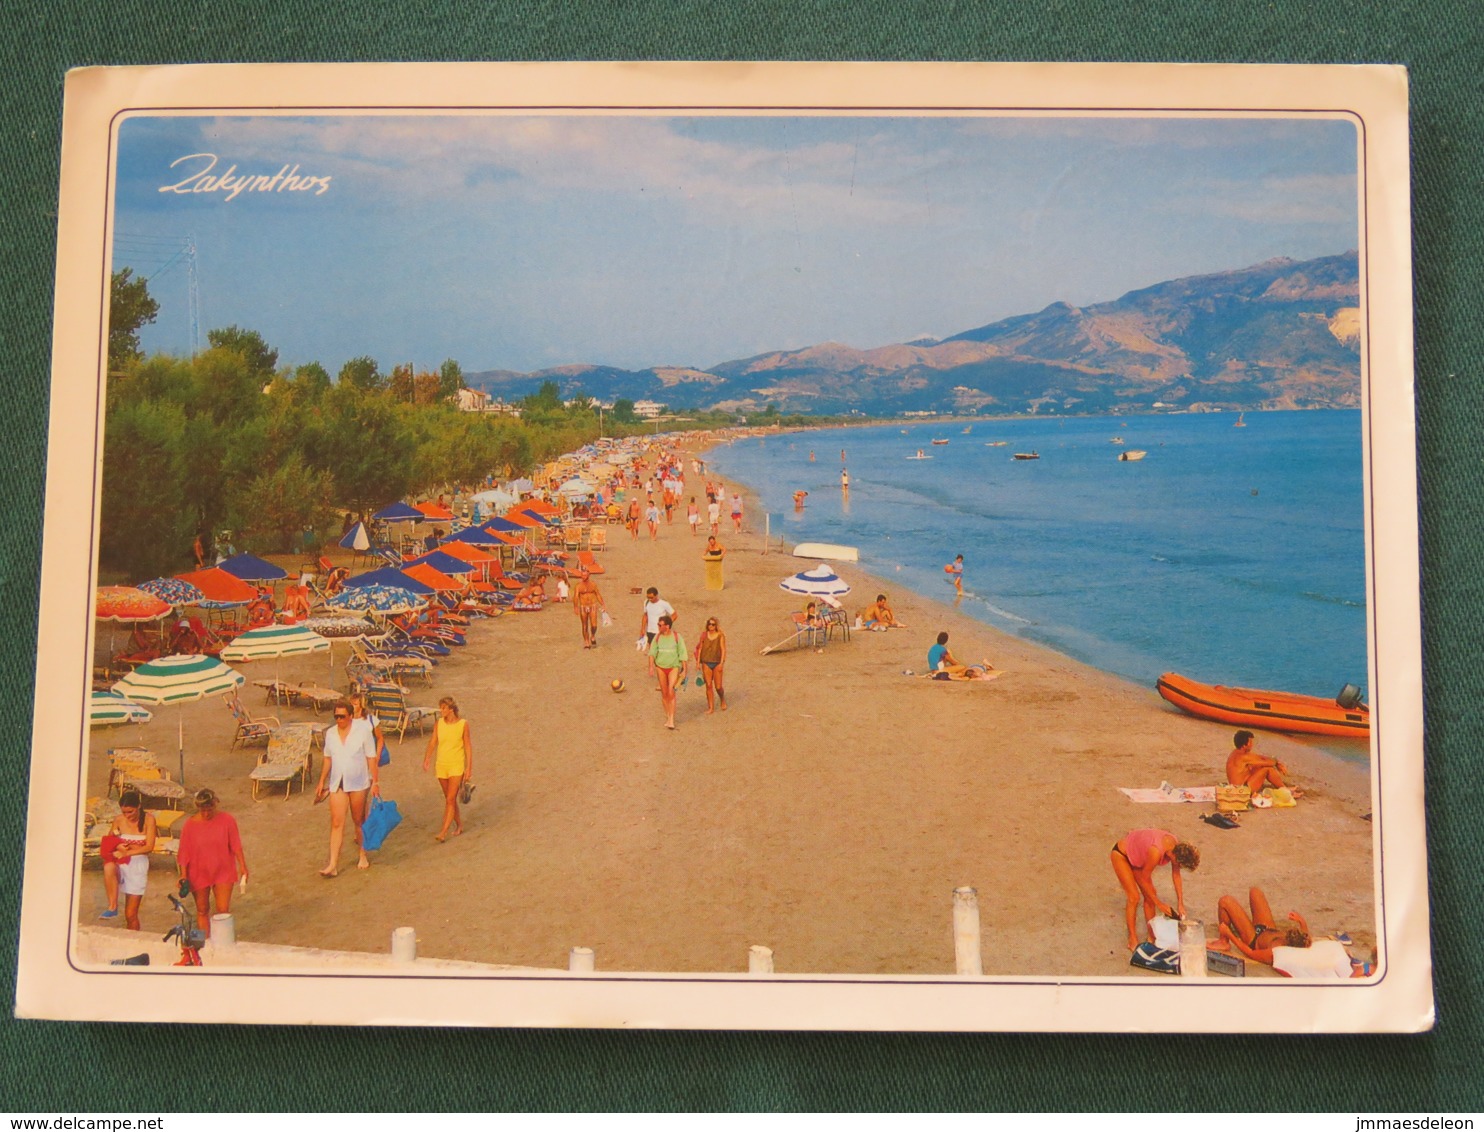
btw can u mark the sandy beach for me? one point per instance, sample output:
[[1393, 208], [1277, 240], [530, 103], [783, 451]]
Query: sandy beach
[[829, 814]]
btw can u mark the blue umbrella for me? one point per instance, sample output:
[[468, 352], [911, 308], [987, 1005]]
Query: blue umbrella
[[474, 536], [173, 591], [251, 568], [399, 513], [387, 576], [447, 563], [377, 599], [499, 524], [356, 538]]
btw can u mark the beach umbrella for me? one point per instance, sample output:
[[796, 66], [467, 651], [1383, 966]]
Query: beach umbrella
[[399, 513], [219, 589], [435, 579], [251, 568], [472, 536], [128, 604], [467, 552], [445, 563], [498, 525], [576, 488], [356, 539], [522, 518], [269, 642], [519, 487], [173, 591], [539, 508], [108, 708], [377, 599], [387, 576], [818, 582], [496, 499], [178, 680], [432, 512]]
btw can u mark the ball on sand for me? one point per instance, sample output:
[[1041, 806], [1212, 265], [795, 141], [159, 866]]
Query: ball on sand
[[617, 685]]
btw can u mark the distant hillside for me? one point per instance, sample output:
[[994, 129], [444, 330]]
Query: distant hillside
[[1279, 334]]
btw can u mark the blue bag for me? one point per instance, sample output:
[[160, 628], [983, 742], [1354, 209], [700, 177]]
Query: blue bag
[[1148, 956], [382, 818], [386, 755]]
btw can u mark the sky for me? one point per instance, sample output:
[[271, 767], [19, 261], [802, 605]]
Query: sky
[[524, 242]]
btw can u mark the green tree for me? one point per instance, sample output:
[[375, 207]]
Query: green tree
[[623, 411], [261, 358], [311, 381], [400, 384], [450, 378], [280, 502], [362, 373], [147, 521], [129, 308]]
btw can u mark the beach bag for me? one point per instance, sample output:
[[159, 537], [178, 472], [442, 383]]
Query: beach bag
[[381, 819], [1232, 799], [386, 755], [1154, 958]]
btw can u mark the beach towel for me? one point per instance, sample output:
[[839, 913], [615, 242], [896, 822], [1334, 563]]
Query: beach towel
[[1169, 794]]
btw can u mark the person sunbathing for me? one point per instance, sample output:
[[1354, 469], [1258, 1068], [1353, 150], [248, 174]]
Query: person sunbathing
[[1291, 951], [878, 615], [1245, 767], [941, 661], [335, 580]]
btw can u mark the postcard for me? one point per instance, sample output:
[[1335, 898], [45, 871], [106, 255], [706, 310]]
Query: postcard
[[774, 546]]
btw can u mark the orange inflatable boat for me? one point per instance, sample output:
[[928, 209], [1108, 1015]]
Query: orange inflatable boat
[[1275, 711]]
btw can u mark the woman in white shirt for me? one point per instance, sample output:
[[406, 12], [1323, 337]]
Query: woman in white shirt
[[348, 775]]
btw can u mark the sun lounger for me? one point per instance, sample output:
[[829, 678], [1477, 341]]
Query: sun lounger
[[253, 729], [316, 697], [388, 702], [290, 755]]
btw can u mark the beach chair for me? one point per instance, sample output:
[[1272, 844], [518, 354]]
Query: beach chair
[[597, 538], [317, 697], [836, 622], [126, 760], [807, 634], [250, 729], [388, 702], [586, 561], [290, 755], [364, 663], [572, 539]]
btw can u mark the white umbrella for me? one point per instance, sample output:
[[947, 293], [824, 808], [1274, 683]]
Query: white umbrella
[[818, 582], [106, 708], [269, 642], [178, 680]]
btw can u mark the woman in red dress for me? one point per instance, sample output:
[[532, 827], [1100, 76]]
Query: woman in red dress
[[210, 857]]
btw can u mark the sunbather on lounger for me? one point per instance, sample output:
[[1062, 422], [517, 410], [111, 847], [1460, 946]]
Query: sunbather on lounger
[[1290, 951]]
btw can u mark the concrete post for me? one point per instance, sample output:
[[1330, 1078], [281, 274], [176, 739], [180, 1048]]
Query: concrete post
[[759, 960], [404, 945], [223, 931], [967, 956], [581, 960]]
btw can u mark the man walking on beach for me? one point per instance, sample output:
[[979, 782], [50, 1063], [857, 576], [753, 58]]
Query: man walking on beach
[[655, 607], [713, 514], [737, 512], [588, 604]]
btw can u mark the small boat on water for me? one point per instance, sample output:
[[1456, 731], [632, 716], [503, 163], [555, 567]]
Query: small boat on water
[[1116, 440], [1346, 714], [1133, 454], [1026, 456], [995, 443], [940, 442], [966, 431], [1240, 423], [829, 550]]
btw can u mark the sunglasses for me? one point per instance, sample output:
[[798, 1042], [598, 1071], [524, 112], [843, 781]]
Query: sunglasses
[[341, 715]]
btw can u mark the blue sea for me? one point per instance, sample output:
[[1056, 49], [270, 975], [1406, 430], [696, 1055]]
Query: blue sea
[[1230, 555]]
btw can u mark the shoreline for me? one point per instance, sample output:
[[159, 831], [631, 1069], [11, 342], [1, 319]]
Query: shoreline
[[829, 814]]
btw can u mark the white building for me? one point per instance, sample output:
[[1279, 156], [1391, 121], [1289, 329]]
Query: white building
[[647, 409]]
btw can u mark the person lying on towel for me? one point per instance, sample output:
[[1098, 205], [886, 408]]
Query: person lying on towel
[[1290, 951]]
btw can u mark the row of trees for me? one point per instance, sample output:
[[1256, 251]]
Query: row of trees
[[229, 440]]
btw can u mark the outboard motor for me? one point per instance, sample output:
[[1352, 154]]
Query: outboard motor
[[1349, 697]]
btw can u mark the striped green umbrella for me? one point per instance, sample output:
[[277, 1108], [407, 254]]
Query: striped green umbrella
[[106, 708], [178, 680], [269, 642]]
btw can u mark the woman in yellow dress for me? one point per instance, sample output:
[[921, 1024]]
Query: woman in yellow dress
[[450, 755]]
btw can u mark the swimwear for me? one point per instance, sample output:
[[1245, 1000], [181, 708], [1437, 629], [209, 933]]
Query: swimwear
[[710, 651]]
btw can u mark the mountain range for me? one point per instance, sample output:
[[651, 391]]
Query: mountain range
[[1278, 335]]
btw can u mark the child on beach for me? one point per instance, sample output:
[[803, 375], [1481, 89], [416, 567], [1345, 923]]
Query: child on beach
[[955, 572], [652, 517]]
